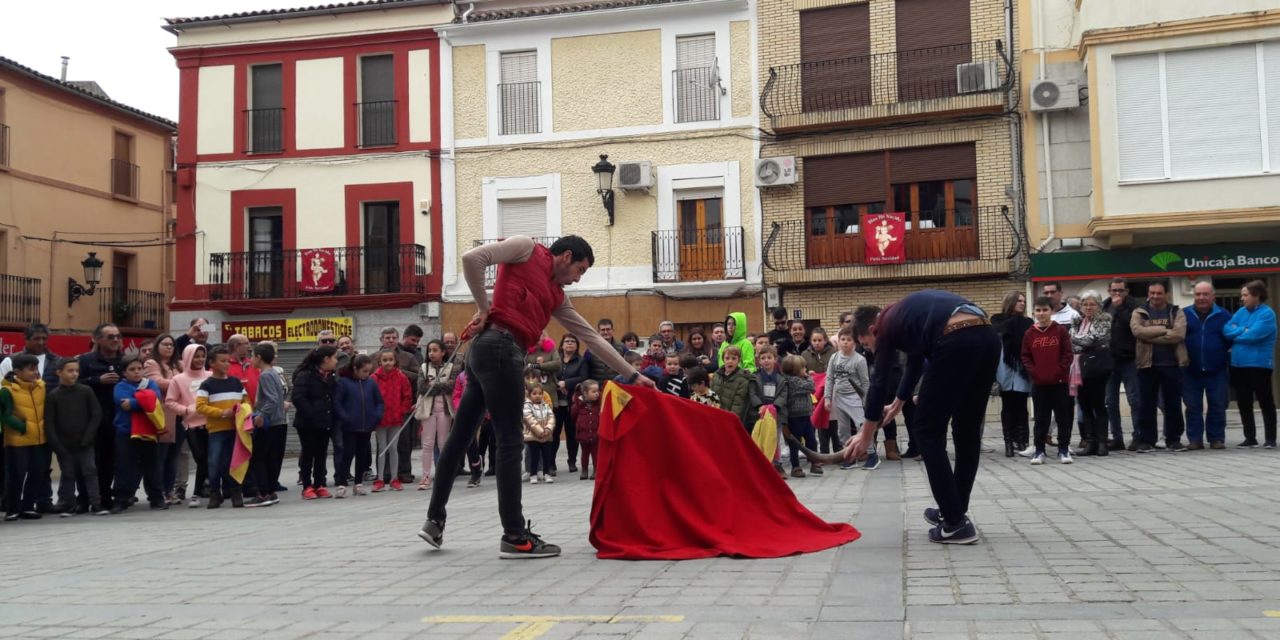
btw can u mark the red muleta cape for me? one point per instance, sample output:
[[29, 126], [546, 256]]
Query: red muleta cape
[[678, 480]]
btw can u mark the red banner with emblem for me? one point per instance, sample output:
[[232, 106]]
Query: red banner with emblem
[[885, 235], [317, 270]]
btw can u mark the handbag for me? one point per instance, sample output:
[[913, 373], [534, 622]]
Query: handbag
[[1096, 362]]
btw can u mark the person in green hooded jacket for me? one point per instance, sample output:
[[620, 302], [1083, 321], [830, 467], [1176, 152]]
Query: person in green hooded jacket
[[735, 326]]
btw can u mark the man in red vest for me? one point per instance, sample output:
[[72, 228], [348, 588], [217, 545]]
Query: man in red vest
[[528, 292]]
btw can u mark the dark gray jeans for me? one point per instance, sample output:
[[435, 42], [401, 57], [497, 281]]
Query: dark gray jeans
[[78, 469], [495, 383]]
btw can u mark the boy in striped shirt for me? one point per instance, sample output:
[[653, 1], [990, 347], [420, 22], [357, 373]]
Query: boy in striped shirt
[[217, 399]]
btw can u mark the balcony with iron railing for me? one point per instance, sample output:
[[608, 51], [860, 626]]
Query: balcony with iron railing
[[939, 243], [698, 255], [358, 271], [131, 308], [377, 123], [899, 85], [491, 273], [697, 94], [19, 300], [264, 130], [519, 104], [124, 178]]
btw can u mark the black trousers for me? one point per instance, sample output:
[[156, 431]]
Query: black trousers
[[104, 453], [1092, 397], [137, 459], [198, 443], [268, 454], [355, 447], [1250, 383], [315, 448], [495, 368], [564, 424], [1013, 416], [1052, 402], [1160, 386], [954, 391]]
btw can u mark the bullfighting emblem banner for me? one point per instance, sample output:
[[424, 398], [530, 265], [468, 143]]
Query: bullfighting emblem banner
[[885, 236]]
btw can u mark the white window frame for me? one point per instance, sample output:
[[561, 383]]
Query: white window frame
[[493, 71], [719, 29], [708, 175], [518, 188], [1268, 168]]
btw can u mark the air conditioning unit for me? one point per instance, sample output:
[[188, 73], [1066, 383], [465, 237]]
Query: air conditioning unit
[[973, 77], [635, 175], [775, 172], [1052, 95]]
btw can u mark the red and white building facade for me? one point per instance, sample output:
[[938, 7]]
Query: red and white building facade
[[308, 168]]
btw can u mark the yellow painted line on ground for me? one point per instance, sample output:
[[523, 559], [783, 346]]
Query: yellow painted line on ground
[[532, 627], [1271, 614]]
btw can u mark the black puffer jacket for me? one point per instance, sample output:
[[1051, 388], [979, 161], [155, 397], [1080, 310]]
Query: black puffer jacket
[[313, 400], [1123, 344], [572, 374]]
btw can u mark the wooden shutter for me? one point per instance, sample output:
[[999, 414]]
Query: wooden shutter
[[522, 217], [1139, 125], [847, 179], [933, 38], [835, 48], [924, 164]]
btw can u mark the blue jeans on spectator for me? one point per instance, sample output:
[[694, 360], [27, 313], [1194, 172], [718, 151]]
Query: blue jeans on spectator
[[1160, 384], [1126, 372], [1196, 387], [221, 444]]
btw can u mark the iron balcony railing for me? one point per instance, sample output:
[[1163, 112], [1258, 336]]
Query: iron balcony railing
[[697, 94], [520, 107], [124, 178], [377, 123], [131, 308], [940, 235], [369, 270], [886, 78], [19, 299], [695, 255], [491, 273], [265, 130], [4, 145]]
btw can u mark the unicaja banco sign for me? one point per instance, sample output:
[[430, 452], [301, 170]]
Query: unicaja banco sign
[[1167, 259], [1189, 260]]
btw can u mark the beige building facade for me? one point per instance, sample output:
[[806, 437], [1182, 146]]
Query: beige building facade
[[888, 106], [81, 174], [664, 90]]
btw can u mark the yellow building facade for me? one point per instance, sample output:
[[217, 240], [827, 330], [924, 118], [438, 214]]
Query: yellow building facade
[[665, 92], [81, 173]]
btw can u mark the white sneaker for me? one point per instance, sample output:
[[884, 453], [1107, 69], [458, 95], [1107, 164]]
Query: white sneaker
[[533, 479], [1064, 457], [193, 503], [1038, 458], [1028, 452], [524, 476], [549, 479], [542, 477], [340, 492], [358, 490]]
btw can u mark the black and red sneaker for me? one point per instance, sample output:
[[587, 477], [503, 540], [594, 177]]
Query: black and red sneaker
[[527, 545]]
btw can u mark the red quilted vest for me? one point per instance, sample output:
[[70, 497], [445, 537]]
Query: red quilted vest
[[525, 295]]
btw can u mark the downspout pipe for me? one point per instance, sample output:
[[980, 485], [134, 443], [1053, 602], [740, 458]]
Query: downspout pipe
[[1044, 131]]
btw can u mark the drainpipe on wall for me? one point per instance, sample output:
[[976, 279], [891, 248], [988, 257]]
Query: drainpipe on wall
[[1044, 129], [466, 14]]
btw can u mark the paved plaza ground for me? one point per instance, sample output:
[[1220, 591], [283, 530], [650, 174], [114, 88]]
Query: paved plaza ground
[[1162, 545]]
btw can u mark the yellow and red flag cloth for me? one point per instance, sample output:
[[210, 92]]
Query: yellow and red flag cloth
[[678, 480], [243, 450], [145, 424], [821, 416]]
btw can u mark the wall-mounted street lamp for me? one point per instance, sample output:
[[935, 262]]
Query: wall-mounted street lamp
[[92, 276], [604, 183]]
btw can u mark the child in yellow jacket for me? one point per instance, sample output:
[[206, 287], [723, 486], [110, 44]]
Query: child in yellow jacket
[[26, 449]]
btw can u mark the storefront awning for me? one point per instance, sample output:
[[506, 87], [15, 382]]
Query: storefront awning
[[1158, 261]]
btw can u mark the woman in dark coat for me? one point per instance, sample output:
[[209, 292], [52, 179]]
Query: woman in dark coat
[[574, 370], [312, 396]]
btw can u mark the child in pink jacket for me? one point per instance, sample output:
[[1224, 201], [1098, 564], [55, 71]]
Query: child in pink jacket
[[180, 403]]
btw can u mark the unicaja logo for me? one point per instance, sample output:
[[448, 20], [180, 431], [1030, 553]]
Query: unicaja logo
[[1164, 259]]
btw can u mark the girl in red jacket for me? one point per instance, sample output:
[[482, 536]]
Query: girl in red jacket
[[585, 414], [397, 398]]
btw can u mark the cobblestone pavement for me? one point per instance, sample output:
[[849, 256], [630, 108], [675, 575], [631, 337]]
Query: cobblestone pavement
[[1160, 545]]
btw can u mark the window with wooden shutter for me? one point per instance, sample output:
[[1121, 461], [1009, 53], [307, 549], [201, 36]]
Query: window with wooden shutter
[[835, 52], [522, 217], [933, 38], [1198, 113], [377, 108], [519, 93], [696, 79]]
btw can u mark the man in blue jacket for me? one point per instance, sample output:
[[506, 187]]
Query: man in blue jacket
[[1206, 373]]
